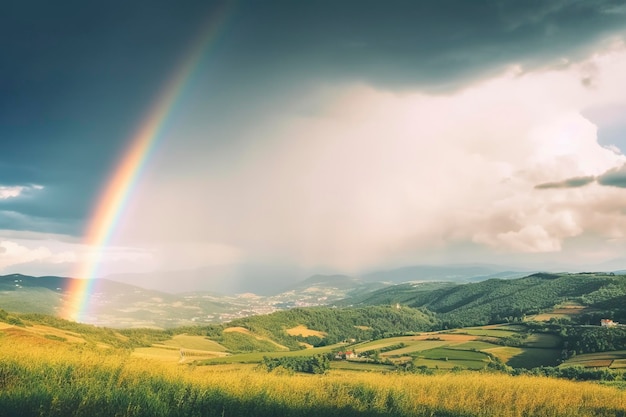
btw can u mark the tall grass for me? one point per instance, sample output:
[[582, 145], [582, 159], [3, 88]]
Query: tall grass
[[52, 378]]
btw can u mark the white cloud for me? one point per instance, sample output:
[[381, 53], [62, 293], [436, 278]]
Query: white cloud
[[13, 191], [380, 177], [10, 192], [43, 254], [12, 253]]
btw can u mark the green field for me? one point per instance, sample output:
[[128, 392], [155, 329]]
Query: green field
[[194, 342], [415, 346], [85, 371], [489, 332], [542, 340], [257, 357], [475, 345], [534, 357], [381, 343], [613, 360], [466, 348], [440, 364], [505, 353], [356, 366]]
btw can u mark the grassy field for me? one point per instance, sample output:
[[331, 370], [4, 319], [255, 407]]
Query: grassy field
[[613, 360], [542, 340], [182, 348], [414, 347], [194, 342], [534, 357], [487, 331], [247, 333], [45, 371], [355, 366], [563, 311], [53, 378], [257, 357], [442, 350], [468, 348], [304, 331]]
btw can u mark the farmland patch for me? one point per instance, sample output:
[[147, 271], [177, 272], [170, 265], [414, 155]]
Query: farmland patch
[[304, 331]]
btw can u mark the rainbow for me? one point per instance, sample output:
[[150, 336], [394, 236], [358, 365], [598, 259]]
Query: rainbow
[[115, 195]]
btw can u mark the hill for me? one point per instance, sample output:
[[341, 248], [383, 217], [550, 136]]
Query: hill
[[453, 273], [332, 325], [447, 304], [52, 375], [117, 304], [510, 300], [111, 303]]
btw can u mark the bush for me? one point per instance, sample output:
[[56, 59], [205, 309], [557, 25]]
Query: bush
[[317, 364]]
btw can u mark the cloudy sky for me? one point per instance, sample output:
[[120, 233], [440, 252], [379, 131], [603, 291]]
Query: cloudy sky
[[322, 136]]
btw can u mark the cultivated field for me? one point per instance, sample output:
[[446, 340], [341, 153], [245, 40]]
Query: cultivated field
[[47, 371], [53, 379], [613, 360]]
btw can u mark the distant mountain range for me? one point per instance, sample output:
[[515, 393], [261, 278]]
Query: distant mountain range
[[268, 281], [116, 304], [454, 273], [494, 300], [119, 304]]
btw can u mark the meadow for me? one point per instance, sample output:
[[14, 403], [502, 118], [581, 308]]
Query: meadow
[[52, 367], [46, 371], [467, 348], [611, 360], [73, 380]]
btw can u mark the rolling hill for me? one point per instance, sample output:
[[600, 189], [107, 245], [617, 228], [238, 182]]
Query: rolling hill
[[499, 300]]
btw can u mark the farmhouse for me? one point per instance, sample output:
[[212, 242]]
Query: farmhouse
[[346, 355], [608, 323]]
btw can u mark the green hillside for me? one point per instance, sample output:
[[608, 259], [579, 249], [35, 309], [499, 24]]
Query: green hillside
[[363, 323], [510, 300]]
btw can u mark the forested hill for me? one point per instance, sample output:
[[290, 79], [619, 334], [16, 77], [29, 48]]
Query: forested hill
[[323, 325], [498, 300]]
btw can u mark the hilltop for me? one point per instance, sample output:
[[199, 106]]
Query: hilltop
[[507, 300], [453, 304]]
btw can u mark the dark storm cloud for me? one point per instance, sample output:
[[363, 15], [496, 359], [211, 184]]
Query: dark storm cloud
[[614, 178], [76, 77], [569, 183], [40, 209], [433, 45]]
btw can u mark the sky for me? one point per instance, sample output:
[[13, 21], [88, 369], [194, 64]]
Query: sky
[[314, 137]]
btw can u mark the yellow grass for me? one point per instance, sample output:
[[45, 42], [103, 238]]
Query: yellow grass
[[565, 310], [46, 330], [505, 353], [69, 336], [194, 342], [245, 331], [304, 331], [466, 393], [416, 347], [237, 329], [422, 340], [618, 364], [170, 354], [600, 363]]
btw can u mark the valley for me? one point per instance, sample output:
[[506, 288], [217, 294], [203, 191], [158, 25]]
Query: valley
[[524, 337]]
